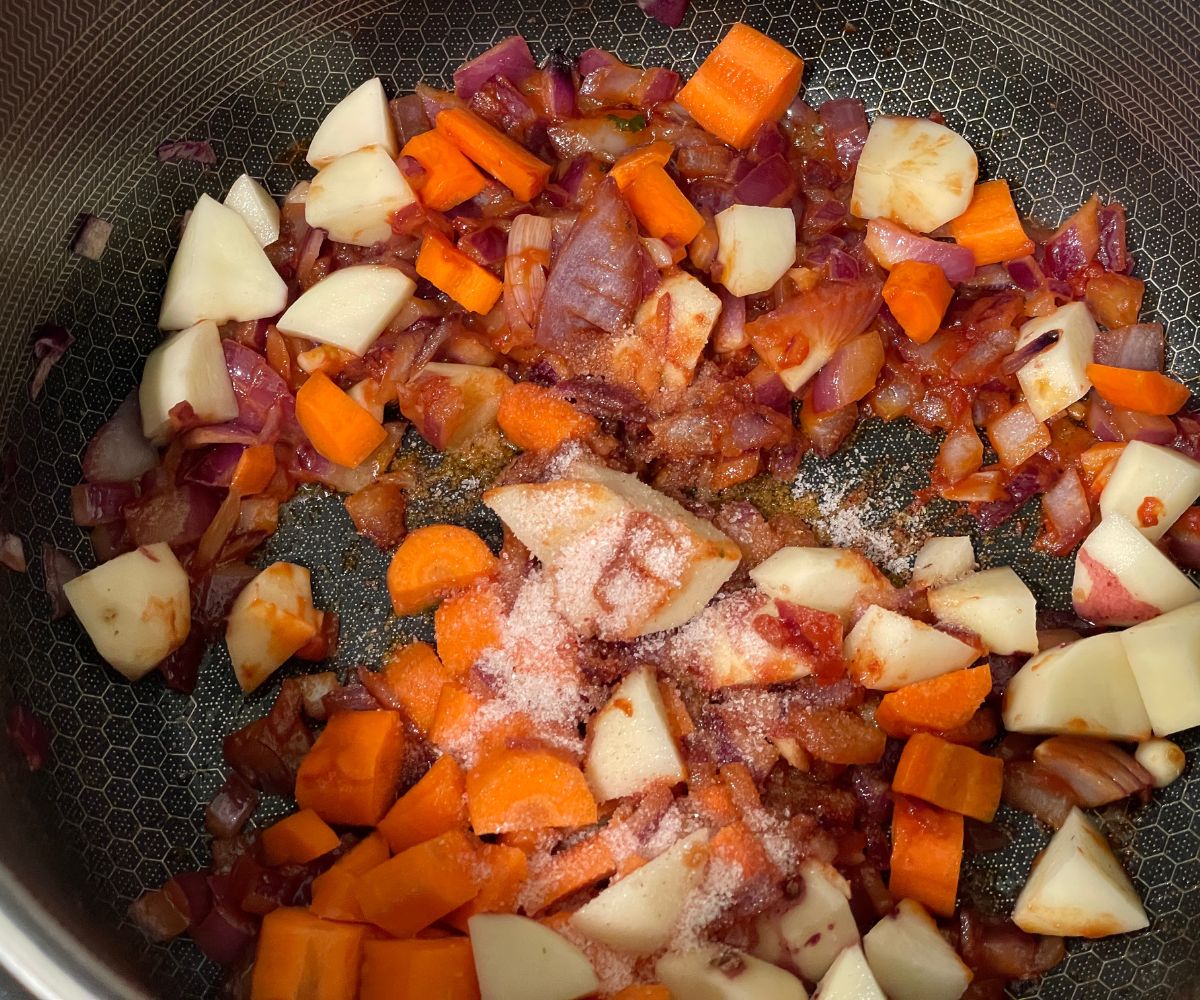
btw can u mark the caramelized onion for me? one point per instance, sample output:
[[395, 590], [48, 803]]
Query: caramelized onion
[[1096, 771]]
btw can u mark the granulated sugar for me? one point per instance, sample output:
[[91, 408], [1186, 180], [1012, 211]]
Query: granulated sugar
[[707, 902]]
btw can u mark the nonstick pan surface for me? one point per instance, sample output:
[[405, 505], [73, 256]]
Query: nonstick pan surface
[[1065, 99]]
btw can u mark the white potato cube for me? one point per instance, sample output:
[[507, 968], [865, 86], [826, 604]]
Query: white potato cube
[[834, 580], [187, 367], [915, 172], [887, 650], [1164, 655], [256, 207], [755, 247], [354, 197], [910, 958], [691, 313], [1163, 759], [638, 913], [219, 272], [943, 560], [632, 744], [270, 620], [451, 419], [1150, 486], [1085, 688], [995, 605], [1121, 578], [849, 978], [1056, 377], [714, 973], [517, 958], [135, 608], [1078, 888], [349, 308], [360, 119], [820, 926]]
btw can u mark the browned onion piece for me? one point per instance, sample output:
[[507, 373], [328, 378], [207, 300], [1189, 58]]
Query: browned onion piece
[[838, 737], [1041, 793], [1096, 771], [999, 948]]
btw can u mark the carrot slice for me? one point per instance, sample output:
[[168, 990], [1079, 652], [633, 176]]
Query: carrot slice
[[746, 81], [432, 806], [647, 991], [1146, 392], [519, 789], [939, 703], [953, 777], [442, 969], [578, 866], [297, 839], [416, 675], [918, 294], [450, 270], [990, 227], [927, 852], [661, 208], [535, 419], [333, 890], [420, 886], [337, 426], [655, 154], [300, 955], [350, 774], [431, 562], [510, 163], [507, 868], [736, 845], [254, 470], [450, 178], [467, 624]]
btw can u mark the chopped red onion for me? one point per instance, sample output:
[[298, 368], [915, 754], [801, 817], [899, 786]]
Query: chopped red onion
[[92, 238], [1066, 512], [100, 503], [995, 947], [842, 267], [845, 124], [485, 245], [176, 516], [159, 913], [225, 934], [1020, 358], [729, 334], [1141, 346], [268, 751], [558, 88], [1112, 252], [604, 400], [408, 117], [1148, 427], [434, 101], [194, 150], [710, 194], [1074, 245], [591, 60], [181, 669], [771, 183], [668, 12], [1099, 419], [214, 465], [849, 375], [118, 452], [58, 568], [1027, 274], [822, 215], [509, 58], [29, 735], [310, 250], [353, 697], [231, 807], [890, 244], [12, 552], [1096, 771], [50, 343], [1183, 539]]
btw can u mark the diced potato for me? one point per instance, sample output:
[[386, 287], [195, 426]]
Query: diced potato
[[886, 650], [817, 929], [632, 745], [349, 308], [1163, 759], [219, 272], [910, 958], [943, 560], [713, 973], [1150, 487], [360, 119], [256, 207], [638, 913], [1164, 656], [663, 349], [1056, 377], [915, 172], [849, 978], [354, 197], [1085, 688], [755, 247], [1121, 578], [995, 605], [270, 620], [187, 367], [135, 608], [834, 580], [1078, 888], [449, 404], [517, 958]]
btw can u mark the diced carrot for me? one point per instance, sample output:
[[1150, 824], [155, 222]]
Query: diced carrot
[[442, 969], [416, 675], [254, 470], [337, 426], [741, 786], [515, 789], [940, 703], [990, 227], [450, 270], [421, 885], [953, 777], [536, 419], [736, 845], [578, 866], [300, 955], [297, 839], [278, 355], [1146, 392], [734, 471], [507, 868], [450, 178], [510, 163], [431, 562], [714, 800], [432, 806], [917, 293], [467, 624], [1097, 464], [746, 81], [350, 774], [927, 851], [680, 721], [454, 720], [1017, 435], [647, 991], [661, 208], [654, 154], [333, 890]]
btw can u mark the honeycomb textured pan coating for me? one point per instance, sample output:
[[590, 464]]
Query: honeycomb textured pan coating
[[1063, 99]]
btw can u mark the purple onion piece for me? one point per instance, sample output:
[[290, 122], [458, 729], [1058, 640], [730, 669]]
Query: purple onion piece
[[1141, 346], [58, 568], [1022, 356], [92, 238], [50, 343], [668, 12], [591, 60], [1113, 253], [29, 735], [184, 150], [231, 807], [118, 452], [845, 123], [771, 182], [1026, 274], [559, 88], [509, 58], [12, 552], [843, 267]]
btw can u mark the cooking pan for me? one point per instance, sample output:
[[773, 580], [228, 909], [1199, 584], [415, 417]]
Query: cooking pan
[[1067, 99]]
